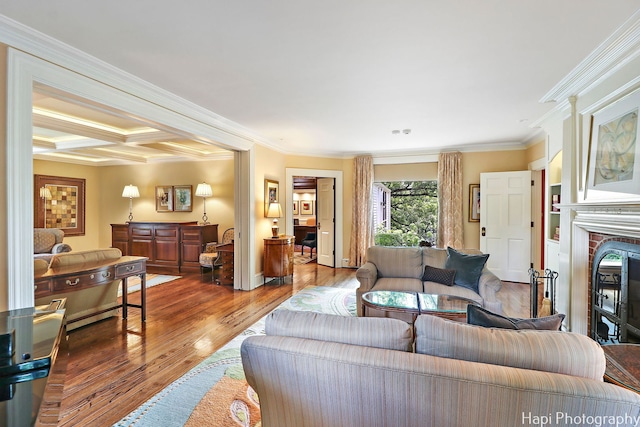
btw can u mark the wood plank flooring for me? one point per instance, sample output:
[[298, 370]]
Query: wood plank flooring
[[114, 366]]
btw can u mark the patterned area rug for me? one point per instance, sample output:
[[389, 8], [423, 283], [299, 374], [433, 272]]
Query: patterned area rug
[[133, 283], [215, 392]]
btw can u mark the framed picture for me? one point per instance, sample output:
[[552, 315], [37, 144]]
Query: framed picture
[[296, 207], [271, 193], [164, 198], [613, 152], [182, 198], [59, 203], [306, 207], [474, 202]]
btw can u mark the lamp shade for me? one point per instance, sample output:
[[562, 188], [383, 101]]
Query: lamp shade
[[45, 193], [274, 211], [130, 191], [204, 190]]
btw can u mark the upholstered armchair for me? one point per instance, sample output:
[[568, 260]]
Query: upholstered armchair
[[47, 242]]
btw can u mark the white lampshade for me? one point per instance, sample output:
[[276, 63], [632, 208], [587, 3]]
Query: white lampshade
[[274, 211], [204, 190], [45, 193], [130, 191]]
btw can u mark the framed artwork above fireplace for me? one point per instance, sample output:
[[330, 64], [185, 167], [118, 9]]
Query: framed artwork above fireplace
[[613, 165]]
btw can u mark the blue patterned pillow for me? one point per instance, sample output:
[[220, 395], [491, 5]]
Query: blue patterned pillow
[[468, 268]]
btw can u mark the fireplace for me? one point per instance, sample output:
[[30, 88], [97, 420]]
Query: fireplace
[[615, 289]]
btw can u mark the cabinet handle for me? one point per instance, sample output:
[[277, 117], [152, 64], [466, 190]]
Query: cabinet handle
[[106, 274], [70, 283], [131, 267]]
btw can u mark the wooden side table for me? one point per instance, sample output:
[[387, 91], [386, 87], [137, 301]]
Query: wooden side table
[[278, 257], [623, 365]]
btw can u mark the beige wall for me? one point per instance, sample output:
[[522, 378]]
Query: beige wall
[[91, 238], [406, 172], [475, 163], [536, 151], [344, 165], [114, 209], [105, 204], [269, 164]]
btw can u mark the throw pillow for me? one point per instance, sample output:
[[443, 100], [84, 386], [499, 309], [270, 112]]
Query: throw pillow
[[468, 268], [438, 275], [482, 317]]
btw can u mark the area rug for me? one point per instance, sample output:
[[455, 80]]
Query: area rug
[[215, 392], [299, 259], [133, 283]]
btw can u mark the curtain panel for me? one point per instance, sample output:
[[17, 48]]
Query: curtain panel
[[450, 203], [361, 229]]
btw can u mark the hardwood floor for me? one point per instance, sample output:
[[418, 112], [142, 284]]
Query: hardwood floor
[[114, 365]]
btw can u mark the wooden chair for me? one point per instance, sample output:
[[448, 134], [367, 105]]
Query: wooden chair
[[210, 258]]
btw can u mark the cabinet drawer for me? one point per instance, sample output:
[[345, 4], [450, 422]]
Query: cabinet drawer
[[41, 288], [83, 280], [129, 269]]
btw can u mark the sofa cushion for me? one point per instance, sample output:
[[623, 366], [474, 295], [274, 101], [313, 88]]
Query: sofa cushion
[[438, 275], [468, 268], [81, 257], [396, 262], [483, 317], [391, 334], [551, 351]]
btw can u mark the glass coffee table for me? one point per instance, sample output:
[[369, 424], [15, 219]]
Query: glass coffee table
[[416, 303]]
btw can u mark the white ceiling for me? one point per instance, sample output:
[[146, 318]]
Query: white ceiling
[[336, 77]]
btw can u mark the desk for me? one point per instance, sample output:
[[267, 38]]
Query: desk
[[623, 365], [82, 276]]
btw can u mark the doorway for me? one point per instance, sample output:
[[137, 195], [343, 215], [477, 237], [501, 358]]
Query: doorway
[[336, 253]]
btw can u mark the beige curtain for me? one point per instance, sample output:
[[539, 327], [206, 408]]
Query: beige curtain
[[450, 201], [361, 229]]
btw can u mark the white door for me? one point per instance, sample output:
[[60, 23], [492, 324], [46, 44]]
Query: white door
[[505, 223], [325, 208]]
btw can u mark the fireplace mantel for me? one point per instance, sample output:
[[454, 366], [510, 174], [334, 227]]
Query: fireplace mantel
[[616, 219]]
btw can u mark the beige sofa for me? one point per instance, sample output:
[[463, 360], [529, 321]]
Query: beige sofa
[[83, 302], [321, 370], [401, 269]]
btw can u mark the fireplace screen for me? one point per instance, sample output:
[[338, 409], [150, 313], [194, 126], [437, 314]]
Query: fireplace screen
[[615, 280]]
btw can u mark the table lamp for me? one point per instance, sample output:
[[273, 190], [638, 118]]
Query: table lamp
[[275, 212], [130, 191], [204, 190]]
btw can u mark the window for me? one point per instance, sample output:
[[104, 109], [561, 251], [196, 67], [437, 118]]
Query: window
[[405, 213]]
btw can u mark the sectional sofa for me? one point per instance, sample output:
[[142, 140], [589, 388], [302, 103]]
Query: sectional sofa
[[316, 369]]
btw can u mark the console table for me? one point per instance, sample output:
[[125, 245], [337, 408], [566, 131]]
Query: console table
[[171, 247], [82, 276]]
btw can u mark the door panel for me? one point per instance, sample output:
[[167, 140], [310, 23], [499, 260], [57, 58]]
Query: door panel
[[505, 223], [325, 196]]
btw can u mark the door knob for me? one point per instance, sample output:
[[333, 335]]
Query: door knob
[[484, 231]]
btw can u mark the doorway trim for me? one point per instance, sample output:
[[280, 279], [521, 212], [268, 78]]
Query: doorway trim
[[339, 207], [23, 72]]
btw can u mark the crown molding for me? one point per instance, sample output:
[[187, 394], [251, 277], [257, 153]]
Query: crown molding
[[14, 34], [617, 50]]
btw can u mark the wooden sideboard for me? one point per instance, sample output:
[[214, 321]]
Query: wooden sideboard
[[171, 247], [278, 257]]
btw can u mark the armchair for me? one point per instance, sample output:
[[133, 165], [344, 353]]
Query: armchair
[[310, 241], [47, 242], [210, 258]]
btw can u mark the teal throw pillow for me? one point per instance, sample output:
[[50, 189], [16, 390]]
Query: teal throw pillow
[[468, 268]]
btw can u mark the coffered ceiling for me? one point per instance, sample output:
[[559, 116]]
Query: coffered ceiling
[[74, 130], [326, 78]]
